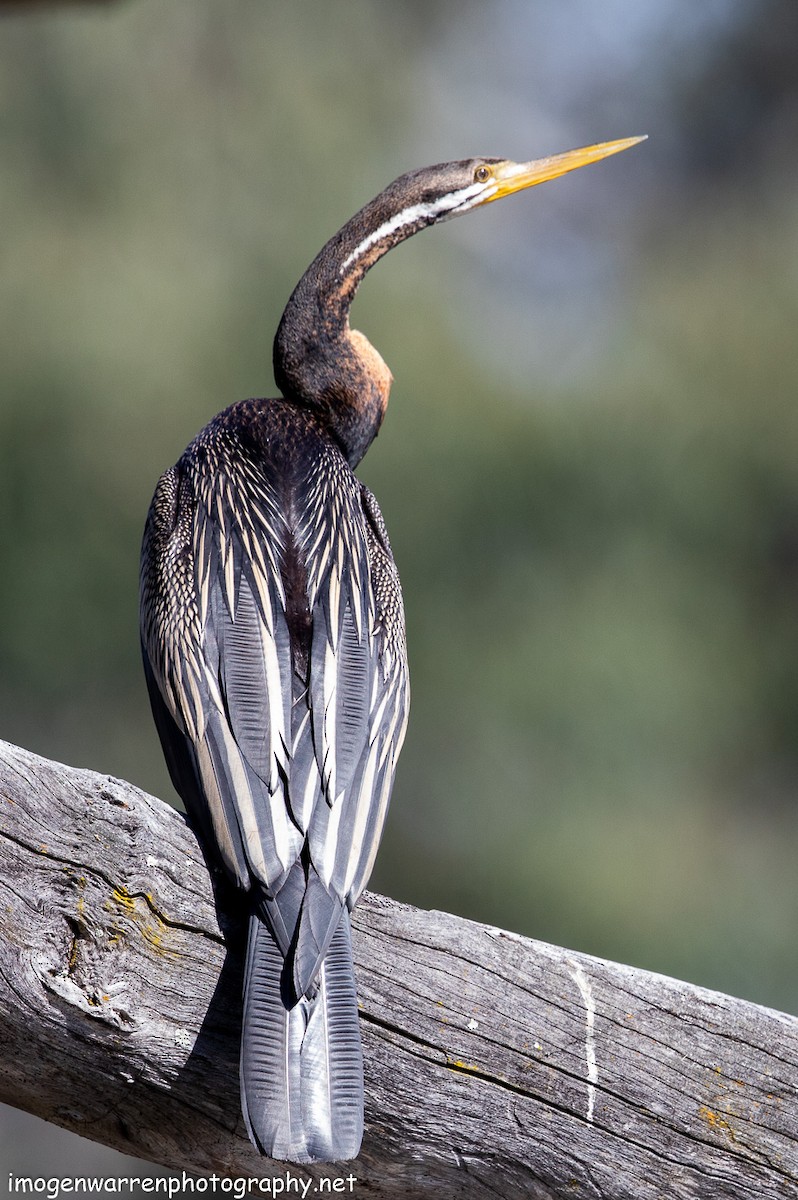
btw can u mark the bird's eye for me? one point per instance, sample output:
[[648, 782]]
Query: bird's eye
[[482, 174]]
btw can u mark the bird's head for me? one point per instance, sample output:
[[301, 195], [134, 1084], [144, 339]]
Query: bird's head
[[323, 364], [431, 194]]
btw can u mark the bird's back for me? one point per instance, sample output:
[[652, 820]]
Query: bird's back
[[273, 640]]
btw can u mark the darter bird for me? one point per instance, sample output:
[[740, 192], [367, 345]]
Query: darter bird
[[274, 648]]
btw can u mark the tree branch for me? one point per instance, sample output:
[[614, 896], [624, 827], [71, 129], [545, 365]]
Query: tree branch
[[495, 1065]]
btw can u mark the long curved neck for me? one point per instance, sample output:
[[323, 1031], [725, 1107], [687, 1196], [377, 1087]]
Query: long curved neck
[[319, 362]]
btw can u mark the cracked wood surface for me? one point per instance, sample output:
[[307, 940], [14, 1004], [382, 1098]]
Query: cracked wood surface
[[495, 1065]]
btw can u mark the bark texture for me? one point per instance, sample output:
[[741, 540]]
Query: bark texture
[[495, 1065]]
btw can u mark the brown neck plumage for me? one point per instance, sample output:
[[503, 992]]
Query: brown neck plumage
[[319, 362]]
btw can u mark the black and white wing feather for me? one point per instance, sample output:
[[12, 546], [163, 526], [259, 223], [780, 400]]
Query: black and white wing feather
[[273, 638], [286, 750]]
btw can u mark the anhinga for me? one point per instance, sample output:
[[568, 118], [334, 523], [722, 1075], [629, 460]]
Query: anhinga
[[274, 648]]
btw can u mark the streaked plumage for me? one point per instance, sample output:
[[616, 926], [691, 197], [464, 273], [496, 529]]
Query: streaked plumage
[[272, 623], [274, 648]]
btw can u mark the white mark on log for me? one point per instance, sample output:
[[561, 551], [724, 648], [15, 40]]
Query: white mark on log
[[472, 1024], [67, 989], [586, 991], [120, 988]]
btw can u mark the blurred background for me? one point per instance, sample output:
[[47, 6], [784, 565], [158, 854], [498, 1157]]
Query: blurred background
[[588, 469]]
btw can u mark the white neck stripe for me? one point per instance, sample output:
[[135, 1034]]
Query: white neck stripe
[[412, 215]]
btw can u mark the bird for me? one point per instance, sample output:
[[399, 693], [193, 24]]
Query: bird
[[272, 631]]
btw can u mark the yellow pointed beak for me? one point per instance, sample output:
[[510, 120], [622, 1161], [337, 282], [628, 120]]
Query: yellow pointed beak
[[513, 177]]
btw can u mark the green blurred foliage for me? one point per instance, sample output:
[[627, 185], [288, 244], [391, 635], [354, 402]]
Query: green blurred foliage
[[600, 568]]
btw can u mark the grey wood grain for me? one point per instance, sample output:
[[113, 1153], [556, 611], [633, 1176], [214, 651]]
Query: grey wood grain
[[495, 1065]]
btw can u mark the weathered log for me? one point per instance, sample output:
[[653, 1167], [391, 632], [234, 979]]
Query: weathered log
[[495, 1065]]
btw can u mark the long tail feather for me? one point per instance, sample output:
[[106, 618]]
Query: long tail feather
[[301, 1061]]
